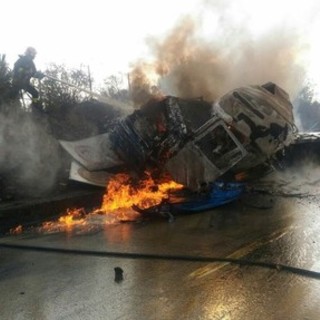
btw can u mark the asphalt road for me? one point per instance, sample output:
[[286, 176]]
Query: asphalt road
[[168, 267]]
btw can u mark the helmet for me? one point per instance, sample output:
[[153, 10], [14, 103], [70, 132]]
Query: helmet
[[30, 51]]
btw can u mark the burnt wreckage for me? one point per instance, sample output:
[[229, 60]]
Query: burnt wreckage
[[196, 142]]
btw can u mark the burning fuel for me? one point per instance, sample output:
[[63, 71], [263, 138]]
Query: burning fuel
[[117, 206], [16, 230], [121, 194], [75, 218]]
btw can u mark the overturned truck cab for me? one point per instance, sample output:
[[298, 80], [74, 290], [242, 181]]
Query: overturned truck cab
[[194, 141]]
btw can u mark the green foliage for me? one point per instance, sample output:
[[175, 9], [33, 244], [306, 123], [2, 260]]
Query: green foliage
[[59, 90], [5, 78]]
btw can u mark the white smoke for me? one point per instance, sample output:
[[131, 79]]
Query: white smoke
[[29, 156]]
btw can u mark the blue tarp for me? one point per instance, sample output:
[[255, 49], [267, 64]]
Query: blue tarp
[[219, 194]]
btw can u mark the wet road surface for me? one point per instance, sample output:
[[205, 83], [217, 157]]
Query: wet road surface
[[260, 228]]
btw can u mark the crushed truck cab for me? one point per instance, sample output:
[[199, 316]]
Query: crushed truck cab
[[195, 141]]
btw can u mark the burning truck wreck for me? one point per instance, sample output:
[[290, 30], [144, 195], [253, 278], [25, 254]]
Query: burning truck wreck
[[209, 148]]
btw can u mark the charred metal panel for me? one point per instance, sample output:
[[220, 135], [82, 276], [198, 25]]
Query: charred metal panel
[[129, 144], [142, 137], [213, 151], [261, 117]]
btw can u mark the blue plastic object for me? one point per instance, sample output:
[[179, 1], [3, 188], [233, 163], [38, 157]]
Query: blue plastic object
[[219, 194]]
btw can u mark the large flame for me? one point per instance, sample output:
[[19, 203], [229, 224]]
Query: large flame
[[121, 194], [117, 204]]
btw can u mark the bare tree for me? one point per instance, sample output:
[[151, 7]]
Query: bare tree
[[115, 87]]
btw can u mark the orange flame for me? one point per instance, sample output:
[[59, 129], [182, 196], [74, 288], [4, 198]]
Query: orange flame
[[73, 218], [16, 230], [121, 195]]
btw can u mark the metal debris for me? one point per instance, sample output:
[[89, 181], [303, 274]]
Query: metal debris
[[118, 275]]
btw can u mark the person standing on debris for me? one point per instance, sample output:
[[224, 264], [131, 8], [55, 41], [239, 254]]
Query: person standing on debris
[[24, 69]]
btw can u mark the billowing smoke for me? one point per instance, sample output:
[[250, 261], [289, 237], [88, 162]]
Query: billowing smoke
[[29, 158], [190, 65]]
